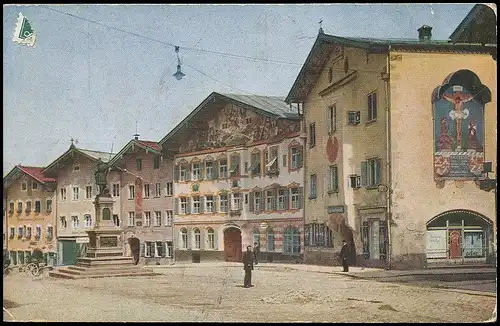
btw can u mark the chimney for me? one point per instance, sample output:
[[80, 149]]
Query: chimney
[[424, 33], [136, 136]]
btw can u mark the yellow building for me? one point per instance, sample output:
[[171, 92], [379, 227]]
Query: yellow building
[[30, 215], [397, 133]]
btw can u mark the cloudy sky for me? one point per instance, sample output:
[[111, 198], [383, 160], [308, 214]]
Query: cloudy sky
[[98, 71]]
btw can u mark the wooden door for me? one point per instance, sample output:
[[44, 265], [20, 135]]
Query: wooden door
[[455, 243], [232, 245]]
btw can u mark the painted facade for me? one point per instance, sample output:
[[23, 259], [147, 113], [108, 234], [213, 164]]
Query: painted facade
[[76, 191], [140, 180], [29, 216], [376, 188], [243, 186]]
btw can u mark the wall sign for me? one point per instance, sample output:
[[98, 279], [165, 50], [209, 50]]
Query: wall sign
[[436, 246], [335, 209], [108, 242]]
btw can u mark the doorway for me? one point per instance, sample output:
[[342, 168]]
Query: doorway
[[232, 244]]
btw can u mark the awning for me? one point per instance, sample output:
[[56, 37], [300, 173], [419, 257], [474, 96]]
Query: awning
[[271, 162], [233, 168], [254, 165]]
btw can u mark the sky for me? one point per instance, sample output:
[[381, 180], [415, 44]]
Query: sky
[[88, 80]]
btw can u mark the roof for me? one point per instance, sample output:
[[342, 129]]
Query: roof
[[144, 144], [91, 154], [478, 26], [34, 172], [272, 106], [325, 44]]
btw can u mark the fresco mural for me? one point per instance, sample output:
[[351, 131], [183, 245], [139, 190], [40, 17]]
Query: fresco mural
[[458, 112], [232, 126]]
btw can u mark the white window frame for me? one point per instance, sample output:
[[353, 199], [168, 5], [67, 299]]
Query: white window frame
[[197, 238], [25, 184], [158, 218], [169, 217], [116, 190], [63, 222], [88, 195], [157, 189], [196, 209], [295, 157], [75, 222], [225, 201], [75, 193], [333, 178], [146, 192], [131, 191], [295, 197], [209, 204], [131, 219], [372, 106], [183, 205], [183, 173], [196, 171], [87, 220], [269, 200], [211, 239], [223, 170], [184, 238], [169, 247], [281, 205], [209, 170], [257, 201], [148, 248], [34, 186], [38, 231], [147, 219], [170, 189], [236, 201], [63, 193]]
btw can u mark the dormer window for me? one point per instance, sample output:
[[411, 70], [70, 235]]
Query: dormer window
[[76, 167]]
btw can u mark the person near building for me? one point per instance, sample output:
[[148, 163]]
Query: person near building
[[256, 251], [248, 267], [135, 248], [344, 256]]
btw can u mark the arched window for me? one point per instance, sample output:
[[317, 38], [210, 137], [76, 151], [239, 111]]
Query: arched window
[[184, 238], [270, 240], [211, 238], [291, 241], [197, 238], [256, 237]]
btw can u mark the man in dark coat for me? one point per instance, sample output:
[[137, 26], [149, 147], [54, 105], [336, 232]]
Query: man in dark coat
[[256, 251], [135, 247], [248, 267], [344, 256]]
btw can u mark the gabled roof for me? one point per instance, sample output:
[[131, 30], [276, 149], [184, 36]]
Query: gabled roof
[[90, 154], [34, 172], [479, 26], [325, 44], [144, 144], [271, 106]]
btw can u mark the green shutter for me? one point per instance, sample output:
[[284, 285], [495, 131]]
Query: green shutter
[[301, 197], [251, 197], [364, 174], [378, 171]]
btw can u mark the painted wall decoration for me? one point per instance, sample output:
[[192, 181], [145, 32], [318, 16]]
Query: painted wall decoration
[[332, 149], [458, 113], [231, 125]]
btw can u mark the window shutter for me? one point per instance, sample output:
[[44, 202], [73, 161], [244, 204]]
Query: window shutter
[[374, 106], [301, 196], [176, 172], [176, 206], [275, 199], [301, 157], [336, 179], [238, 167], [228, 197], [364, 174], [202, 204], [163, 249], [188, 205], [189, 171], [378, 171], [240, 204], [287, 202], [215, 240], [142, 249], [216, 204], [202, 170], [215, 169], [251, 197]]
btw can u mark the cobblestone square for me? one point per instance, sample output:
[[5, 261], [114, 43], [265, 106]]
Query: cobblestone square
[[215, 293]]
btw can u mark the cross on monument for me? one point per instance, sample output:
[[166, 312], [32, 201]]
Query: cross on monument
[[321, 26]]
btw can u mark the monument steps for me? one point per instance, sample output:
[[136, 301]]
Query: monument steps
[[140, 272], [110, 269]]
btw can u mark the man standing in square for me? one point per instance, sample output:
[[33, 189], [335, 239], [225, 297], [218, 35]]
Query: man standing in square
[[344, 256], [248, 267]]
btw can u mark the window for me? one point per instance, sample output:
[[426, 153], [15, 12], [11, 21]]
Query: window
[[353, 117], [63, 193], [196, 205], [282, 199], [235, 169], [169, 216], [49, 205], [197, 238], [313, 186], [38, 232], [38, 206], [370, 172], [131, 218], [209, 173], [248, 120], [332, 112], [64, 223], [170, 189], [157, 218], [295, 196], [24, 186], [209, 204], [159, 249], [372, 107], [318, 235], [35, 186], [333, 180], [116, 220], [374, 238], [223, 168], [138, 164], [184, 238], [270, 240], [88, 191], [236, 201], [131, 192], [116, 190], [296, 157], [28, 232], [158, 190], [169, 250], [146, 190], [183, 172], [147, 218], [76, 193], [50, 233], [75, 222], [87, 218], [269, 200], [255, 161], [211, 238], [12, 232], [223, 207], [312, 135], [291, 241], [76, 167], [272, 158], [183, 208], [19, 206], [196, 171], [257, 201], [11, 207], [149, 249], [256, 237], [20, 232], [156, 162], [28, 206]]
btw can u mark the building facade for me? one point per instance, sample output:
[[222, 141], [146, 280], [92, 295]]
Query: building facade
[[238, 179], [29, 216], [76, 190], [374, 154], [140, 180]]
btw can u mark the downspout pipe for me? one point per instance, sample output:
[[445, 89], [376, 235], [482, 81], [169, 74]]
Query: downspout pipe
[[174, 245], [388, 157]]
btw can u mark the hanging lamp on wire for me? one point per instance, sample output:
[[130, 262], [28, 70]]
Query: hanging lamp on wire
[[179, 74]]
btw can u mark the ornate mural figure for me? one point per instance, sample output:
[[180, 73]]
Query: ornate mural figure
[[459, 127]]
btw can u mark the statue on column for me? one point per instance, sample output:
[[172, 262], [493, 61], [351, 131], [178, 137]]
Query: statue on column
[[101, 179]]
